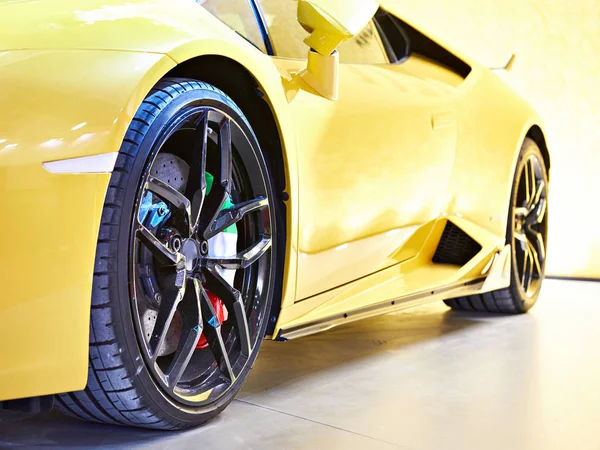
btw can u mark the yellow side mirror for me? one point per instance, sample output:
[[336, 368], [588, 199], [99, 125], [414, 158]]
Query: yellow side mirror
[[330, 23]]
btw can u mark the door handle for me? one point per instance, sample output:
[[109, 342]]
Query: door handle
[[442, 120]]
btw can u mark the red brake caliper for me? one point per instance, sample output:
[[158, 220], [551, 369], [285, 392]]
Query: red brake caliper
[[222, 315]]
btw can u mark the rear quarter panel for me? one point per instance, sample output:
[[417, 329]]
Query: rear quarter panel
[[493, 123]]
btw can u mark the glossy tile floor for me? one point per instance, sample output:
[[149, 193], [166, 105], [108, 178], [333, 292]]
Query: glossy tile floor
[[425, 378]]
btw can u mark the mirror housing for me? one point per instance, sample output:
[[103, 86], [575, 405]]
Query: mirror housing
[[330, 23]]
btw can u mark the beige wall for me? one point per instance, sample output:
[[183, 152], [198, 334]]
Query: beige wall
[[557, 43]]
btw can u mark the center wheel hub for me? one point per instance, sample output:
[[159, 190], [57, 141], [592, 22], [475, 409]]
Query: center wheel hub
[[519, 225], [191, 250]]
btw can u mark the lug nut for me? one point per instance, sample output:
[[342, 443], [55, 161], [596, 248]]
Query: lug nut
[[176, 243], [204, 248]]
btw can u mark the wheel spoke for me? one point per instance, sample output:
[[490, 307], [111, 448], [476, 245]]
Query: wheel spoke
[[196, 185], [166, 311], [170, 194], [233, 215], [530, 183], [538, 213], [191, 331], [541, 187], [222, 185], [537, 209], [520, 236], [157, 248], [539, 247], [535, 260], [528, 267], [212, 331], [233, 301], [524, 267], [244, 259]]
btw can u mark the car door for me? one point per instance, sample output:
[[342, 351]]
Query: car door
[[373, 165]]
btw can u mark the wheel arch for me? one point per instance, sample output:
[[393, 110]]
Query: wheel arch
[[537, 135], [238, 83], [530, 129]]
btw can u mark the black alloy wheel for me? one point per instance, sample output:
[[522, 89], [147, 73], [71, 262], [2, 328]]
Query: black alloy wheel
[[527, 234], [189, 237], [530, 225]]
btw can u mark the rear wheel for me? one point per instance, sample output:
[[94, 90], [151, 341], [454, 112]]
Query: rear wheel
[[527, 233], [186, 264]]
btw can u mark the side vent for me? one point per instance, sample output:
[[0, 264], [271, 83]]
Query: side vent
[[456, 247]]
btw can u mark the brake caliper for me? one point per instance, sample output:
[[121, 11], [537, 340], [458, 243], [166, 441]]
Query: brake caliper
[[157, 212], [222, 316]]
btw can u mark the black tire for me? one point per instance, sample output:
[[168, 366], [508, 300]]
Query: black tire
[[522, 293], [122, 386]]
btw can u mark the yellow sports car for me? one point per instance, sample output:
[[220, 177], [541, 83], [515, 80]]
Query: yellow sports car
[[180, 179]]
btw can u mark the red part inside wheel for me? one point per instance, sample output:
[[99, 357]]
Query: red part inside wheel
[[222, 315]]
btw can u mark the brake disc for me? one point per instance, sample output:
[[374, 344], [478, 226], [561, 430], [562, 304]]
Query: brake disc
[[174, 171]]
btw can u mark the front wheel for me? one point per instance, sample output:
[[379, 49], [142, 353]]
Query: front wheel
[[186, 264], [527, 233]]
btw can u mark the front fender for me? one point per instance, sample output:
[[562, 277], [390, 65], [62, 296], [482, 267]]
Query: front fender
[[66, 104], [61, 104]]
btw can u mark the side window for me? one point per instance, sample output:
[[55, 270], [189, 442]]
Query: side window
[[365, 48], [395, 39], [238, 15], [287, 36], [402, 41]]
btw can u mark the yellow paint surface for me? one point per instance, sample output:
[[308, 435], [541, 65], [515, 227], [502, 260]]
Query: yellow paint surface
[[418, 139], [557, 71]]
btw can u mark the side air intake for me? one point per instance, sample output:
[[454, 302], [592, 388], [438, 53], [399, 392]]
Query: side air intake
[[456, 247]]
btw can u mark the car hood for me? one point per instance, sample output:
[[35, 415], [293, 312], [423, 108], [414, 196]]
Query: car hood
[[133, 25]]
